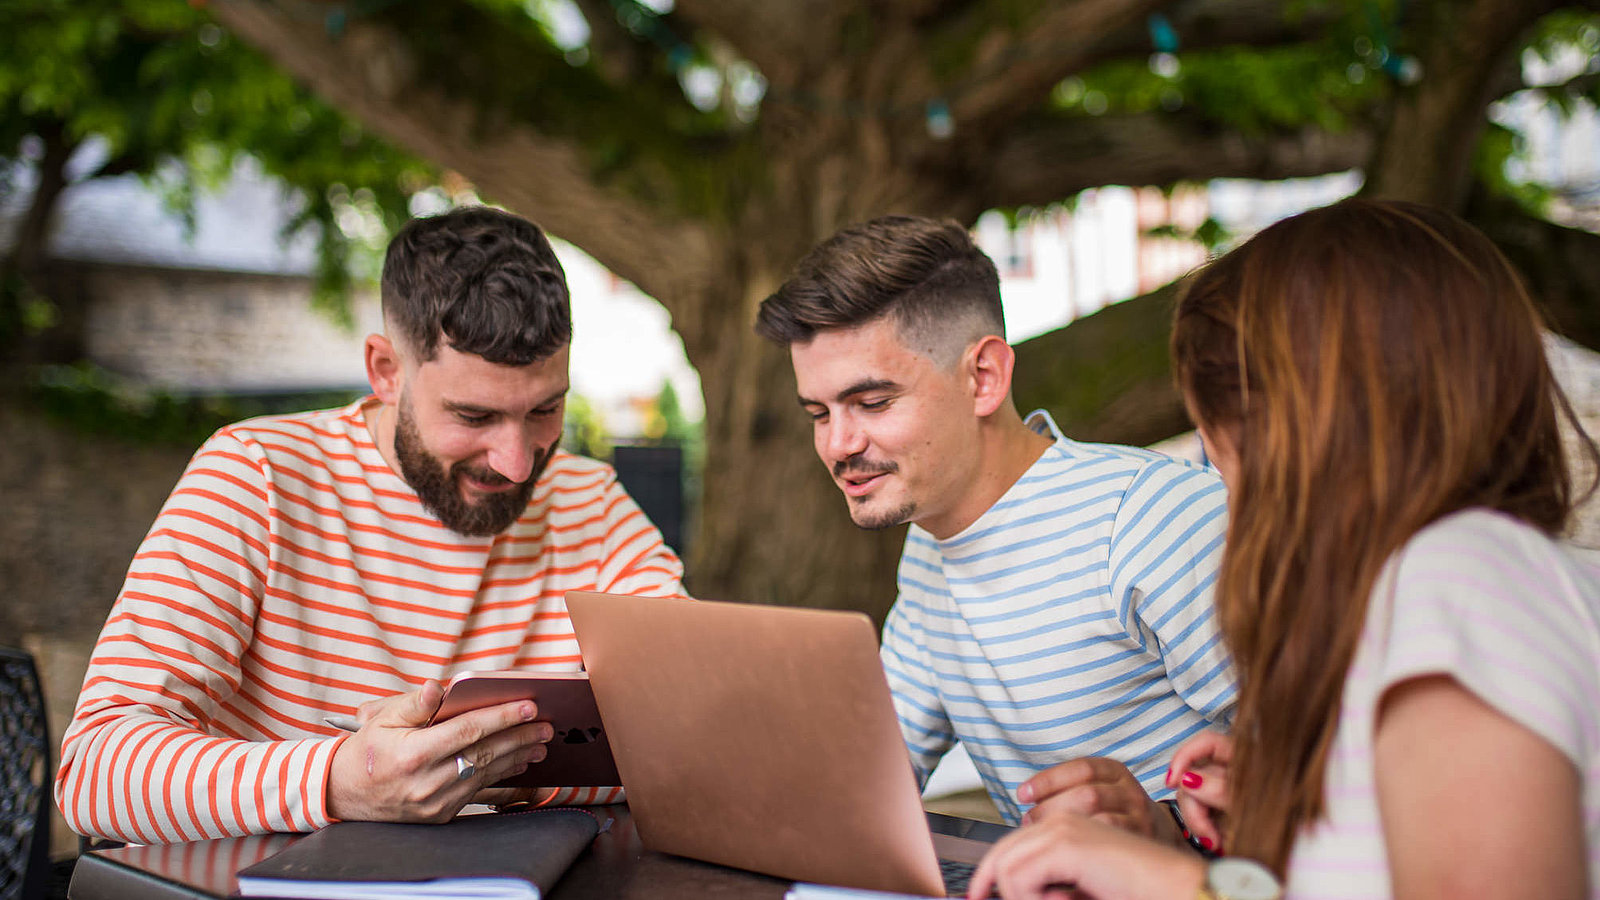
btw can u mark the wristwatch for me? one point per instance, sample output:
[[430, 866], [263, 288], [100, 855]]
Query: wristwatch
[[1195, 844], [1233, 878]]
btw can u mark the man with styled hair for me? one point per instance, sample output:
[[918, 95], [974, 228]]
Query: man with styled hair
[[344, 562], [1054, 611]]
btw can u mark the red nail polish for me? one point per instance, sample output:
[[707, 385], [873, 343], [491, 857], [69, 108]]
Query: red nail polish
[[1205, 842], [1168, 780], [1191, 779]]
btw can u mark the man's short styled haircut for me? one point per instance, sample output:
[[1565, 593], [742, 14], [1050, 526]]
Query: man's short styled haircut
[[484, 281], [941, 291]]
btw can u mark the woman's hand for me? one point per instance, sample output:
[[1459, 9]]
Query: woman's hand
[[1069, 855], [1200, 773]]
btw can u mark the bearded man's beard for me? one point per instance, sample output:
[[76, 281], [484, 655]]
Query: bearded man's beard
[[440, 490]]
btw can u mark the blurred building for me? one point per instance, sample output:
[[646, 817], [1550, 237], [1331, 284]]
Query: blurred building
[[1112, 243], [227, 309]]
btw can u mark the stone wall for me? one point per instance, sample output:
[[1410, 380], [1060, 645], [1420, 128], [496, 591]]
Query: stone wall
[[221, 332]]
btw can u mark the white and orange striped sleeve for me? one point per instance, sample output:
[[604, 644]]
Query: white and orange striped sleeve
[[634, 558], [144, 759]]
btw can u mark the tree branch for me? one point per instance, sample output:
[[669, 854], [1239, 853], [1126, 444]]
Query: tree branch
[[1561, 264], [618, 53], [385, 77], [1107, 376], [1578, 86], [1211, 24], [1156, 149], [1013, 68], [784, 40]]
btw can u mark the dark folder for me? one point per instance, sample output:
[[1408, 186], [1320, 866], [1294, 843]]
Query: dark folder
[[510, 855]]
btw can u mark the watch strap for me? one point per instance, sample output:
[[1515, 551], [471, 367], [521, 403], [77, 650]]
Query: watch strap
[[1189, 837]]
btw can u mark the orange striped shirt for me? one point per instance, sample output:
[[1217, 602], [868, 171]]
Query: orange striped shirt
[[292, 575]]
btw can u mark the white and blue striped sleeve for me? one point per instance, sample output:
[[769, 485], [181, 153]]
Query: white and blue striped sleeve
[[1166, 547], [923, 721]]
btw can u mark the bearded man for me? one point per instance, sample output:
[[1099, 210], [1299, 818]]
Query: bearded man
[[343, 562]]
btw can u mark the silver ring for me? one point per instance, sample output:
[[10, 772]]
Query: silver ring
[[464, 769]]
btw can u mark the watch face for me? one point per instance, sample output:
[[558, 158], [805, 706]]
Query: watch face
[[1242, 879]]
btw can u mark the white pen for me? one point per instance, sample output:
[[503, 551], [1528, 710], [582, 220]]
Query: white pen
[[343, 723]]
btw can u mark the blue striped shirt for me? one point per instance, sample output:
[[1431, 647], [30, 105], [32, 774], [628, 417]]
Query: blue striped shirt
[[1073, 618]]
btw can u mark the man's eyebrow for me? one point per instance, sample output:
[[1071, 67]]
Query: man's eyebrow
[[860, 387], [470, 408], [461, 406], [556, 395]]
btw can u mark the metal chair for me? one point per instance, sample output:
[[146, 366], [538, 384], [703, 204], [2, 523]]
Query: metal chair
[[25, 776]]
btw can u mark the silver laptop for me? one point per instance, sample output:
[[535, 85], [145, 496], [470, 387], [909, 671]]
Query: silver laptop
[[764, 737]]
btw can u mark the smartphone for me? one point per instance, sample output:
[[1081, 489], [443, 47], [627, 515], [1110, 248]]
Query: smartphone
[[580, 754]]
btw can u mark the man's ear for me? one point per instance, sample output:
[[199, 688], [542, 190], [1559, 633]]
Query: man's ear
[[990, 369], [385, 370]]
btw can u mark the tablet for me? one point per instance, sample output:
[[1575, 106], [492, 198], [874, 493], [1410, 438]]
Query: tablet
[[580, 754]]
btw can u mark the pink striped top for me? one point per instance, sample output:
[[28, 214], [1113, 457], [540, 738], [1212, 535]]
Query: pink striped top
[[292, 575], [1511, 615]]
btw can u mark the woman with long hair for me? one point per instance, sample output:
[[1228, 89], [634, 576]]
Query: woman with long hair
[[1419, 651]]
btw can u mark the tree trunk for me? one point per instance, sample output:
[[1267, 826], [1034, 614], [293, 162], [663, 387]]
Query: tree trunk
[[773, 526], [1465, 52], [25, 272]]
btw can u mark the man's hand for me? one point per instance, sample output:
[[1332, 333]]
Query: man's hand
[[1200, 773], [1099, 788], [396, 768]]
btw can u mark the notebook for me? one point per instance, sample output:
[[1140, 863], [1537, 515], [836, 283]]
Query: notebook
[[765, 738], [510, 856]]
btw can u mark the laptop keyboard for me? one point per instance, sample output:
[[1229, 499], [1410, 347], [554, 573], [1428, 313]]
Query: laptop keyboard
[[956, 876]]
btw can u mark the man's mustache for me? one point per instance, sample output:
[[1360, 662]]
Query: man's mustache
[[856, 466], [493, 478], [486, 476]]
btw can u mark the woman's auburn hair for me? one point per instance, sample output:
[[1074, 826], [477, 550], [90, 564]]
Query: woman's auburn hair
[[1376, 366]]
